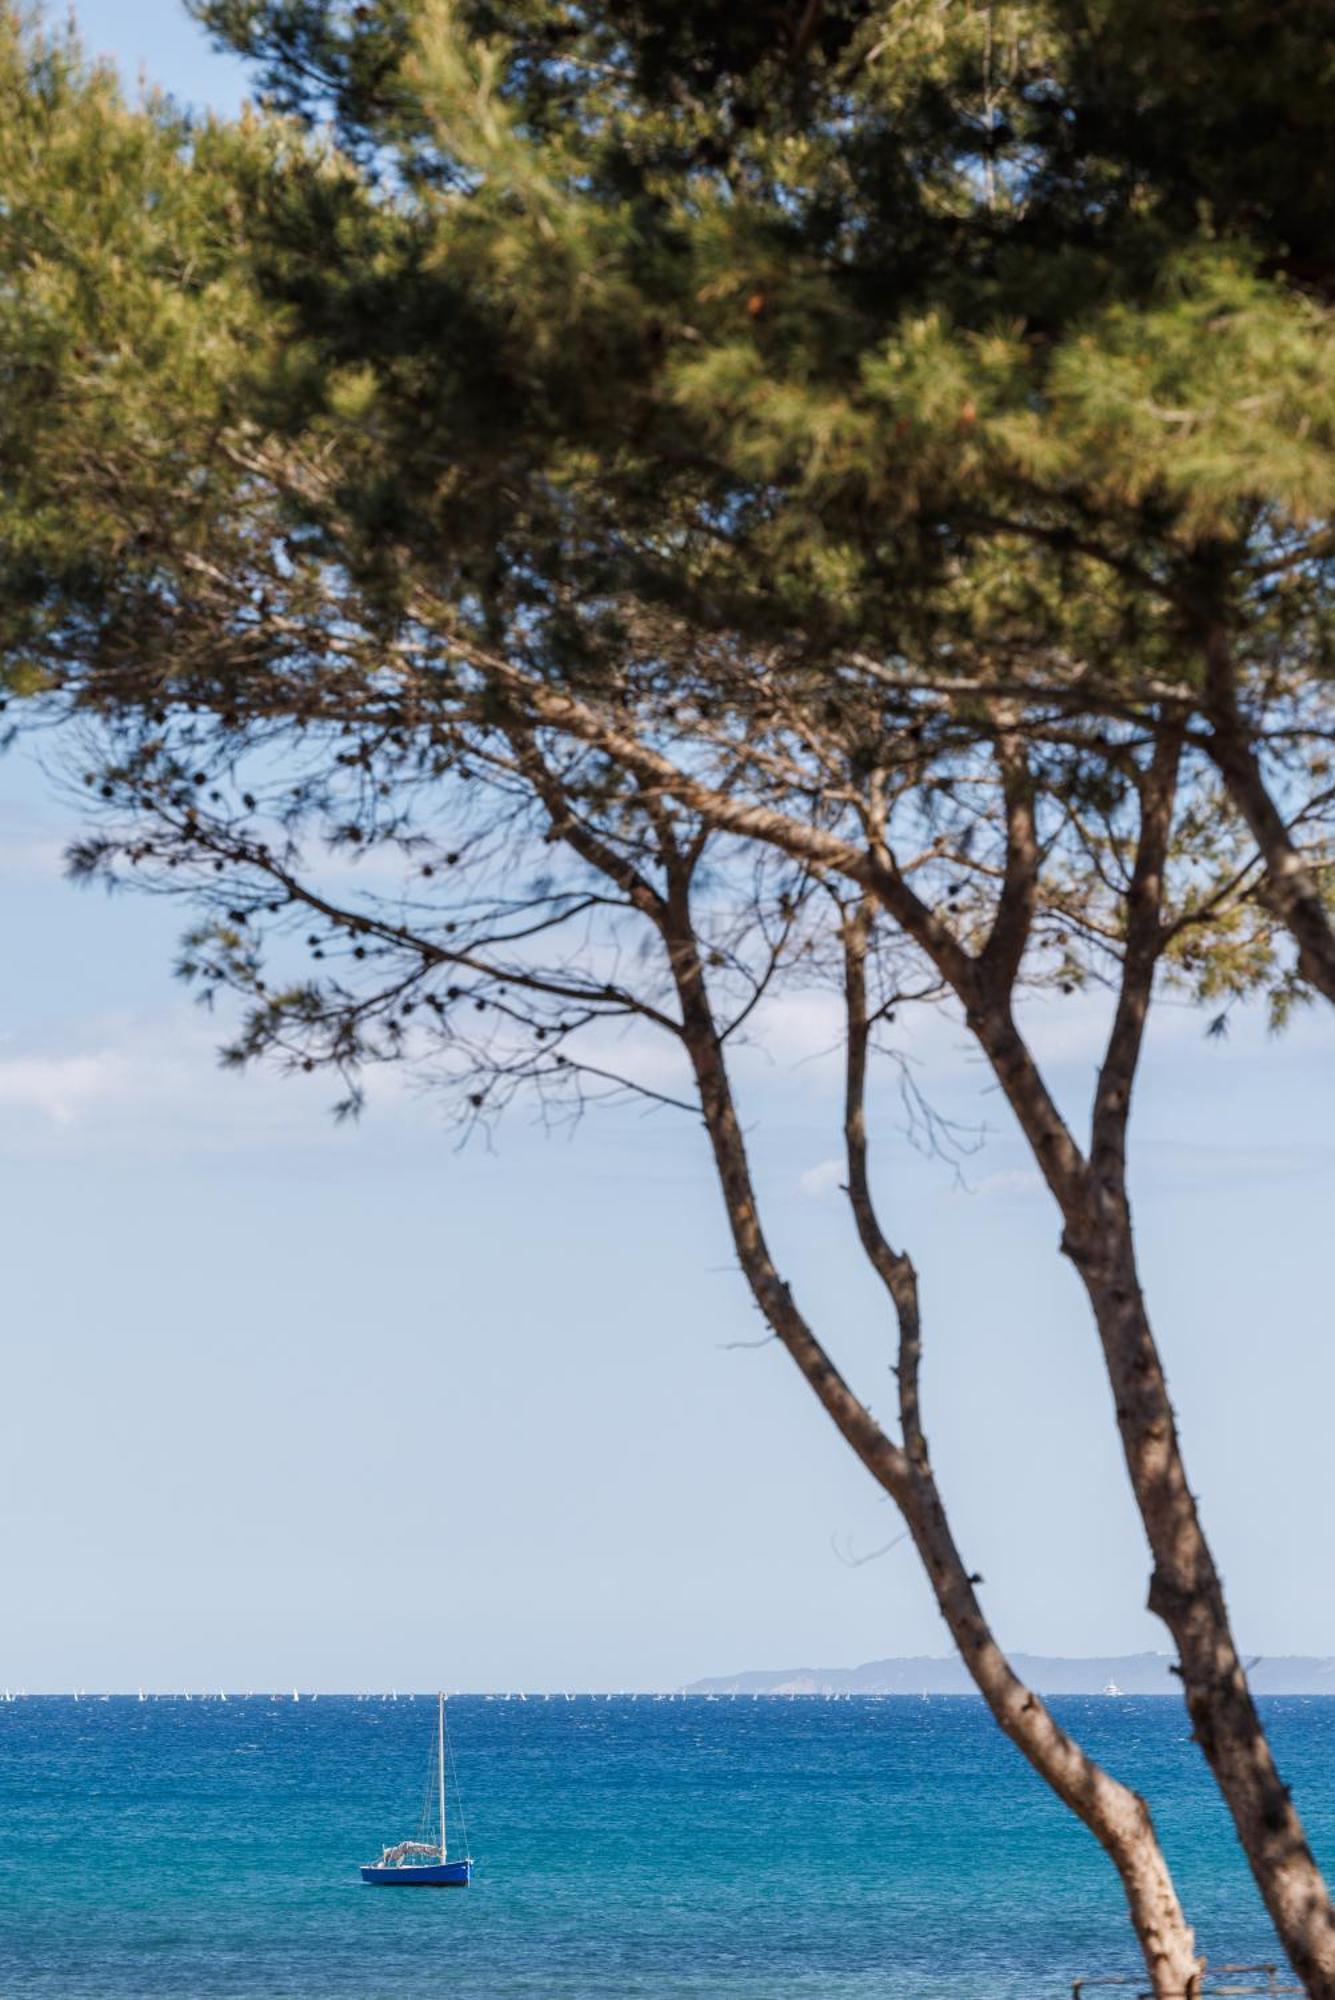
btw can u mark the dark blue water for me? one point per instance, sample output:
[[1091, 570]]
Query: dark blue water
[[723, 1850]]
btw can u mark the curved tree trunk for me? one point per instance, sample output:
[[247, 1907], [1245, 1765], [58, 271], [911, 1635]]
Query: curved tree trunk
[[1091, 1196], [1186, 1592], [1117, 1817], [1185, 1588]]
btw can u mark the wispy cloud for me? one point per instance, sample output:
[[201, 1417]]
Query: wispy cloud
[[143, 1083], [59, 1088], [819, 1182]]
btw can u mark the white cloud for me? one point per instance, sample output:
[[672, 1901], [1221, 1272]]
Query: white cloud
[[818, 1182], [59, 1088], [137, 1082]]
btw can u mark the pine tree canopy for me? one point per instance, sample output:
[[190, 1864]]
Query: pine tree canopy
[[687, 358], [996, 326], [127, 320], [999, 327]]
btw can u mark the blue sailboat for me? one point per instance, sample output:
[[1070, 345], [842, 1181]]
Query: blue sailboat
[[423, 1864]]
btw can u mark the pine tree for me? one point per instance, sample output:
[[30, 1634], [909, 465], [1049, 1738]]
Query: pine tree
[[896, 440]]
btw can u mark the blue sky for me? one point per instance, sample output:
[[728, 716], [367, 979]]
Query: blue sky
[[289, 1403]]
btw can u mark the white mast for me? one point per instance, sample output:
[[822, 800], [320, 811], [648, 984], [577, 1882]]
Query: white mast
[[440, 1746]]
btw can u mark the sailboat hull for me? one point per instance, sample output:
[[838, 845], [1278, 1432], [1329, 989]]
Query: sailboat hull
[[424, 1875]]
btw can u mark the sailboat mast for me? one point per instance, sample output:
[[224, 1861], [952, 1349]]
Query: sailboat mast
[[440, 1747]]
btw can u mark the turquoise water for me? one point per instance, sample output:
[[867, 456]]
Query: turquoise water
[[723, 1850]]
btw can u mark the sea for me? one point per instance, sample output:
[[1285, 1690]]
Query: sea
[[676, 1849]]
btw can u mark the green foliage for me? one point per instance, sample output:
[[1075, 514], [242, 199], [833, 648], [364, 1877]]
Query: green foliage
[[127, 319], [776, 318], [692, 359]]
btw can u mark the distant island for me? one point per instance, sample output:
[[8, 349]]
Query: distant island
[[1122, 1673]]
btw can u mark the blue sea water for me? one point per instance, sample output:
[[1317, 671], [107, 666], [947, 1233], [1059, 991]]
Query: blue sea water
[[721, 1850]]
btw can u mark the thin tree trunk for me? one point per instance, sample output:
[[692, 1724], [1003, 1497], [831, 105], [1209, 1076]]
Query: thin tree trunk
[[1187, 1594], [1117, 1816], [1185, 1588], [1186, 1591]]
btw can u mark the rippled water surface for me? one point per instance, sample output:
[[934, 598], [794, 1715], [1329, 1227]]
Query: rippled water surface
[[723, 1850]]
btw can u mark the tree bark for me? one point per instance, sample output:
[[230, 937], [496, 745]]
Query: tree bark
[[1185, 1588], [1187, 1594], [1118, 1817]]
